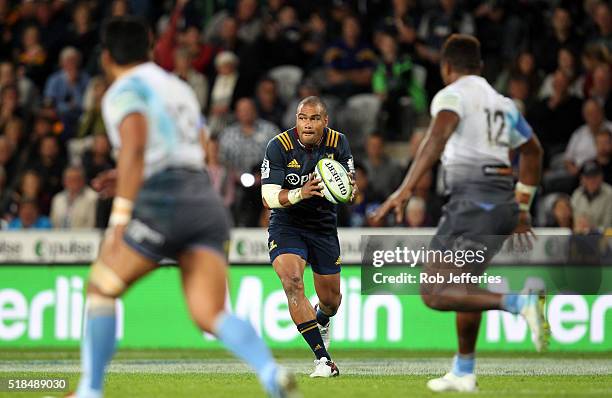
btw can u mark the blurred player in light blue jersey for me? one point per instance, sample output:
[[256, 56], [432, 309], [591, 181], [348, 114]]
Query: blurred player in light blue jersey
[[473, 131], [164, 207]]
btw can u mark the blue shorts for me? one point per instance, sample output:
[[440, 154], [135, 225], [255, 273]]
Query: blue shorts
[[321, 251]]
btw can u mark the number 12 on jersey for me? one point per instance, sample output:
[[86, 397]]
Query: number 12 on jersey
[[496, 125]]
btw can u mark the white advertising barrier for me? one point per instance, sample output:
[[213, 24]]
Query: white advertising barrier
[[48, 247], [251, 245], [248, 246]]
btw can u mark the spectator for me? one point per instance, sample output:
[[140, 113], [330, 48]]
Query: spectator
[[518, 91], [603, 22], [415, 215], [8, 160], [91, 122], [98, 158], [75, 206], [566, 63], [500, 34], [33, 56], [280, 42], [248, 53], [349, 62], [435, 27], [9, 105], [592, 201], [249, 23], [29, 186], [65, 89], [593, 57], [561, 214], [27, 93], [561, 35], [603, 143], [268, 103], [82, 34], [14, 134], [50, 165], [581, 146], [201, 54], [222, 178], [556, 117], [183, 68], [401, 94], [119, 8], [388, 174], [402, 22], [365, 199], [225, 89], [525, 67], [243, 143], [314, 40], [602, 88], [42, 127], [52, 26], [29, 217]]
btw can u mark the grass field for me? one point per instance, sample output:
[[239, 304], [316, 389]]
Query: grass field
[[371, 373]]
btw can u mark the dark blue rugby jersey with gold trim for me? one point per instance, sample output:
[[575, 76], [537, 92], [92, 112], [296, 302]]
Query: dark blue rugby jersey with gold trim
[[288, 163]]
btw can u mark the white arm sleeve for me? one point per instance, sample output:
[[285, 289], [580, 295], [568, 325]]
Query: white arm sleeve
[[446, 100], [269, 192]]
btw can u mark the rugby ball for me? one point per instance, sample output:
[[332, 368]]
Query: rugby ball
[[335, 180]]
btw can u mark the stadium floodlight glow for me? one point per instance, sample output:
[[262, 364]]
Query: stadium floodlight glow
[[247, 180]]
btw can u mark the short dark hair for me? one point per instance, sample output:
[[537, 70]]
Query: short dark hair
[[462, 52], [126, 39], [315, 101]]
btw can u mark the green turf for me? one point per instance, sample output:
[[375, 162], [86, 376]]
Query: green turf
[[222, 386], [225, 384]]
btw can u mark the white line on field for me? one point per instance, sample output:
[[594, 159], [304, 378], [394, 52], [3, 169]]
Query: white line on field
[[382, 367]]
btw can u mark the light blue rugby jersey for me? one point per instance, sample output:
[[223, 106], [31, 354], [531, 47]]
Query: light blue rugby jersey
[[172, 113]]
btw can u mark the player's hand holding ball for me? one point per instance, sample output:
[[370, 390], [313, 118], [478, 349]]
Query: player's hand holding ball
[[312, 187]]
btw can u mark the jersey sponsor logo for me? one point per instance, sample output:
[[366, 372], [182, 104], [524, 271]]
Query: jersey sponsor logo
[[295, 179], [294, 164], [330, 156], [265, 169]]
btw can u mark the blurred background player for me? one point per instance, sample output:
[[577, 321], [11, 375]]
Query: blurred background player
[[303, 223], [153, 119], [473, 129]]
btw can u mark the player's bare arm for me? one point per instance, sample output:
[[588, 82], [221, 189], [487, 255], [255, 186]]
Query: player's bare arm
[[130, 167], [429, 153], [530, 170]]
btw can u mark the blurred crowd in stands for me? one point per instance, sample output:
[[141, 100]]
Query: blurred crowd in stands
[[375, 63]]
